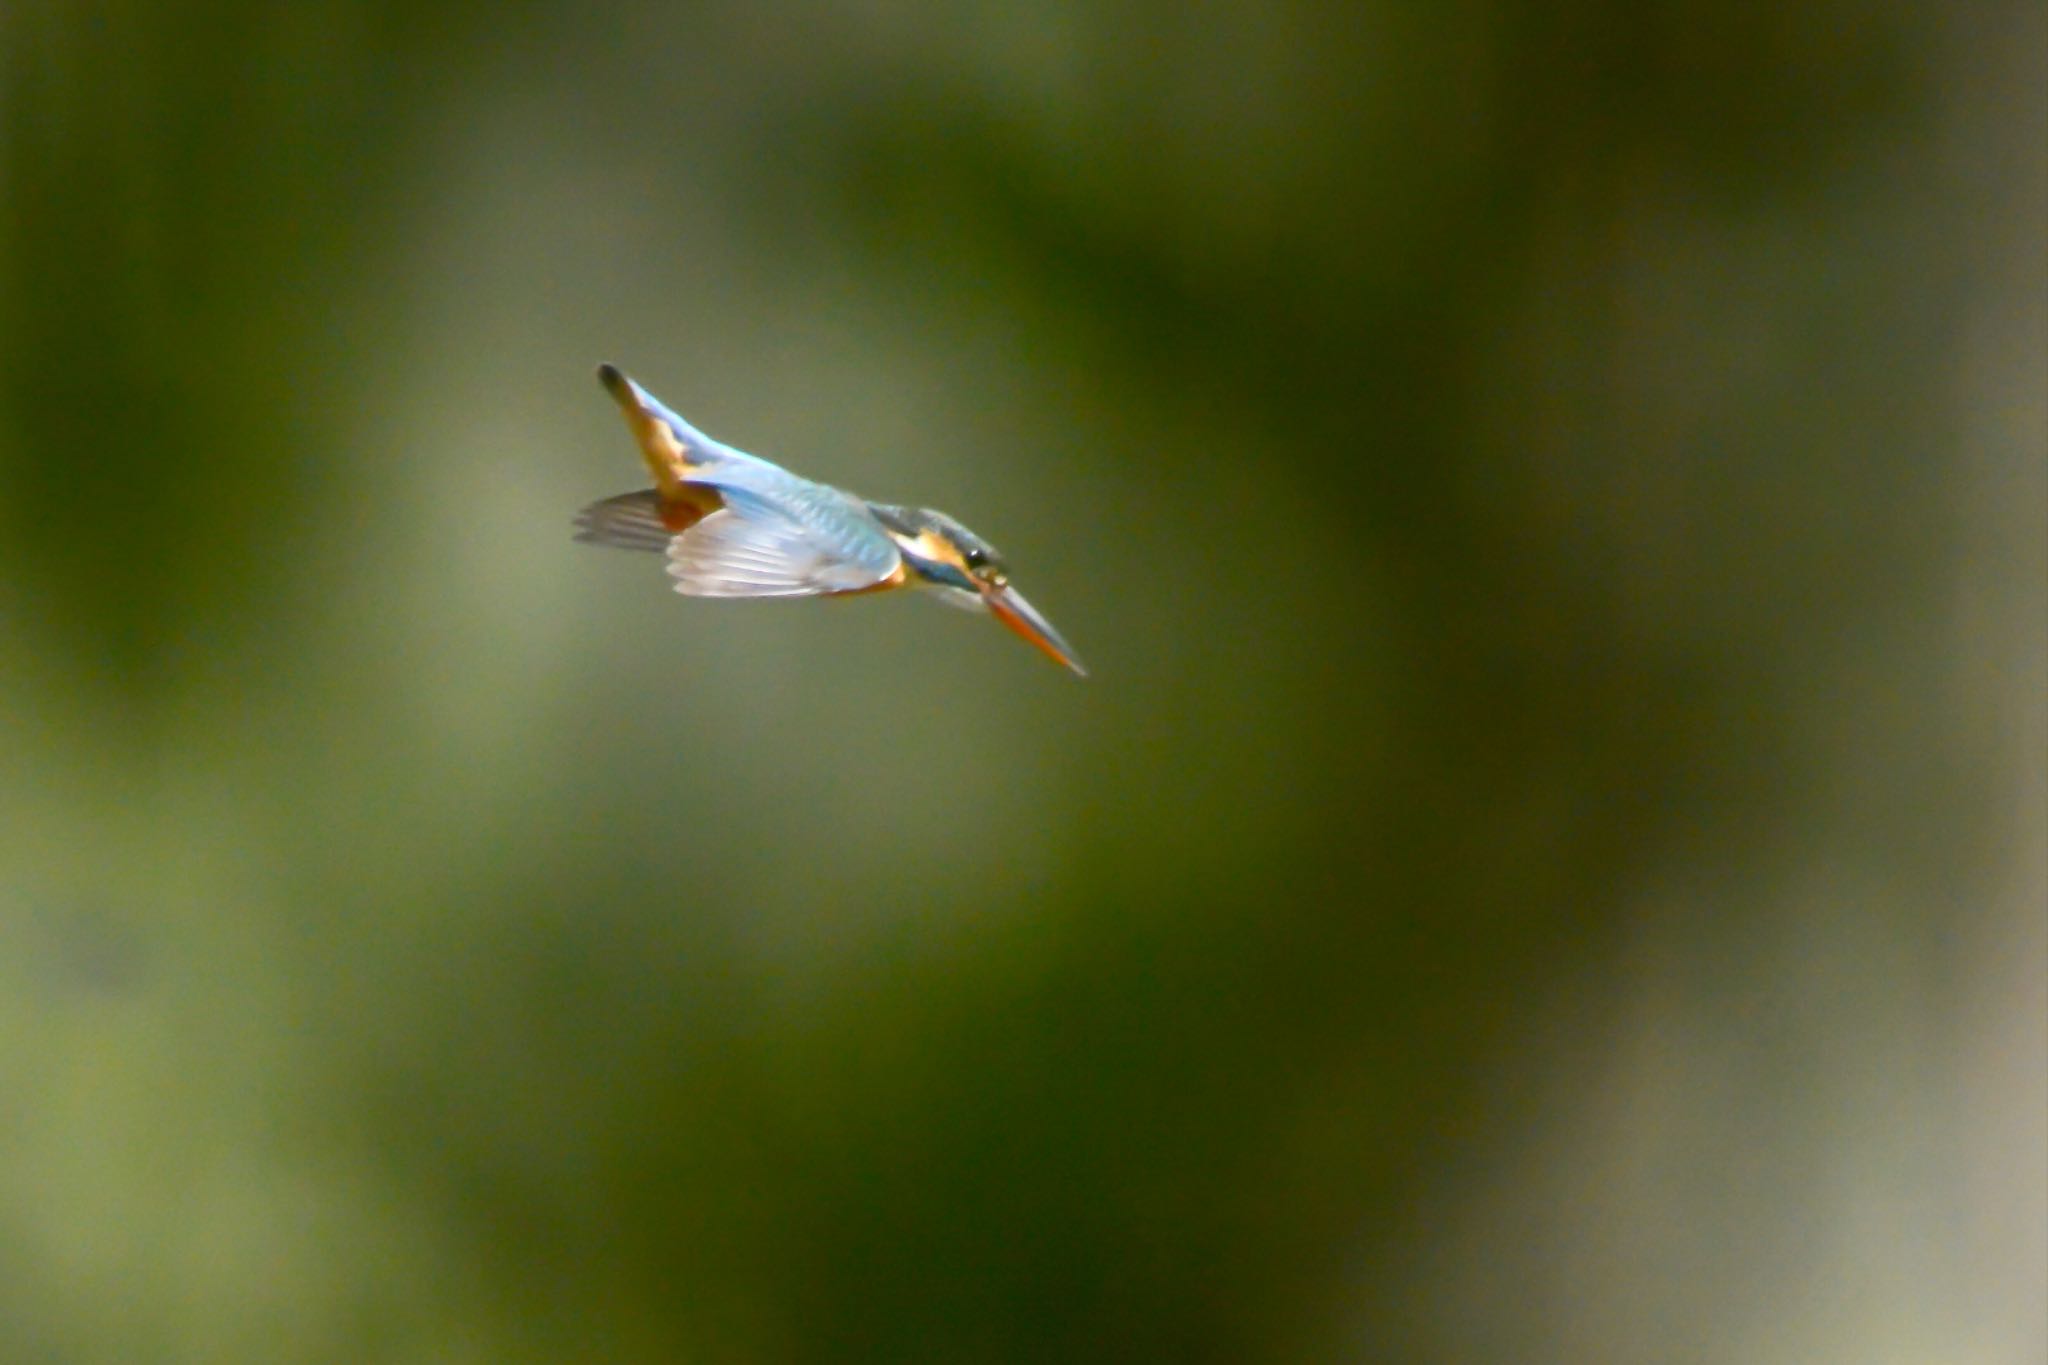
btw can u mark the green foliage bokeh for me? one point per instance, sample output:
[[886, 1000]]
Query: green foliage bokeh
[[1512, 470]]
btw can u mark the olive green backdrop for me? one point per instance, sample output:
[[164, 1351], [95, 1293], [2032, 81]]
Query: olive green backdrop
[[1550, 864]]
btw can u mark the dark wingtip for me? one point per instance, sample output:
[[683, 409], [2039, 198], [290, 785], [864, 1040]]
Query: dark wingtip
[[613, 378]]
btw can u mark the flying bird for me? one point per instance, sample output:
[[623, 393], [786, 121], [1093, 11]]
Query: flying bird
[[735, 525]]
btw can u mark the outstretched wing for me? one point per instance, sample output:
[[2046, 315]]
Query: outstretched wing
[[755, 548], [630, 521], [776, 535]]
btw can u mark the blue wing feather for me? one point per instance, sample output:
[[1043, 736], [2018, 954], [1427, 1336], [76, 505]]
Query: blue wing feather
[[834, 522], [827, 537], [780, 536]]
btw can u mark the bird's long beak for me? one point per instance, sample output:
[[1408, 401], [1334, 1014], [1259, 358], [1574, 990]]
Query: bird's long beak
[[1007, 605]]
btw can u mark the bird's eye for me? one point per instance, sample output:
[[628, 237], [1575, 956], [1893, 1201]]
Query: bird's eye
[[975, 559]]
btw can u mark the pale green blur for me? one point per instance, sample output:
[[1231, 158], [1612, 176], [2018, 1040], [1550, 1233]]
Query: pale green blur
[[1549, 864]]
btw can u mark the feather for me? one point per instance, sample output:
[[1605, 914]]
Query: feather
[[630, 521], [767, 555]]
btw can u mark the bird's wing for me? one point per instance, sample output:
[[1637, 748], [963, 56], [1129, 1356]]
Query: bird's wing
[[799, 542], [630, 521]]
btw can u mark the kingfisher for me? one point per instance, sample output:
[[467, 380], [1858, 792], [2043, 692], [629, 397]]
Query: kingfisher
[[736, 525]]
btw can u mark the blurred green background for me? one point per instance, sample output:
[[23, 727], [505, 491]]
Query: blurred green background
[[1552, 864]]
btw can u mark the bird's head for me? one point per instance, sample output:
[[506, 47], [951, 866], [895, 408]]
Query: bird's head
[[965, 570]]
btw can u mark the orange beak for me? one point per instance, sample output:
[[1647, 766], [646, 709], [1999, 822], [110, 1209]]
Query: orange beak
[[1008, 606]]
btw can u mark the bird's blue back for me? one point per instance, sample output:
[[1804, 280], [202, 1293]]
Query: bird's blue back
[[758, 488]]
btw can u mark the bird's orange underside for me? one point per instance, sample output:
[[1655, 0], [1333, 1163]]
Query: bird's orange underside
[[680, 516]]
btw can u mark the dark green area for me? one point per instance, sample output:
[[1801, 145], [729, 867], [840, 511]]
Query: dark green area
[[1540, 489]]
